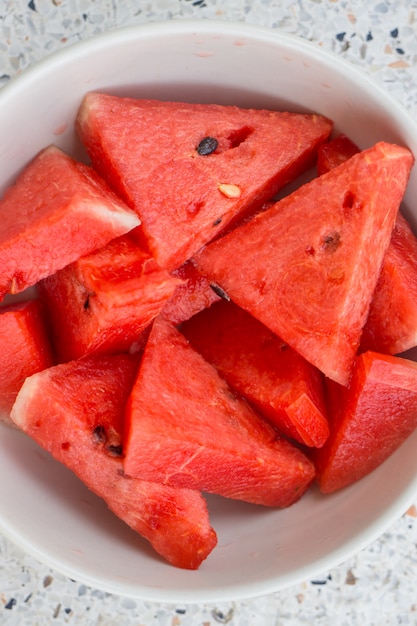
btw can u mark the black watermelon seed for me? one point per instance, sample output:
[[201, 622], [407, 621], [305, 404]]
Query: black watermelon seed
[[220, 292], [115, 450], [207, 146], [99, 434]]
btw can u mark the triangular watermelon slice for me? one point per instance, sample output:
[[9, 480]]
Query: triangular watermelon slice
[[102, 302], [280, 383], [185, 427], [307, 268], [75, 412], [369, 420], [391, 326], [189, 169], [25, 349], [57, 211]]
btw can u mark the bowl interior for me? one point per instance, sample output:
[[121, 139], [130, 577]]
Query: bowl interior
[[45, 509]]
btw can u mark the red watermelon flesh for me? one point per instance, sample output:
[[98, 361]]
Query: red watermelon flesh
[[307, 268], [334, 153], [391, 326], [57, 210], [193, 295], [282, 385], [189, 169], [75, 411], [185, 427], [25, 349], [103, 302], [368, 420]]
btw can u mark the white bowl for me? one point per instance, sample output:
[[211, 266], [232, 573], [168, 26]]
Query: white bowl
[[46, 510]]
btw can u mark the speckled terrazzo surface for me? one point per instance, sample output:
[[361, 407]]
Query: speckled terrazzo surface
[[378, 586]]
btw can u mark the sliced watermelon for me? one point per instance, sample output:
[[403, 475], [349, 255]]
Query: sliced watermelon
[[102, 302], [186, 428], [335, 152], [75, 411], [25, 349], [391, 326], [308, 267], [282, 385], [190, 297], [369, 420], [189, 169], [57, 211]]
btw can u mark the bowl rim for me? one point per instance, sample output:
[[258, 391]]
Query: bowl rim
[[196, 26]]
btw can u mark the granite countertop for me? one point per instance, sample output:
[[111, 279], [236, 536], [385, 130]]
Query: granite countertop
[[376, 587]]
